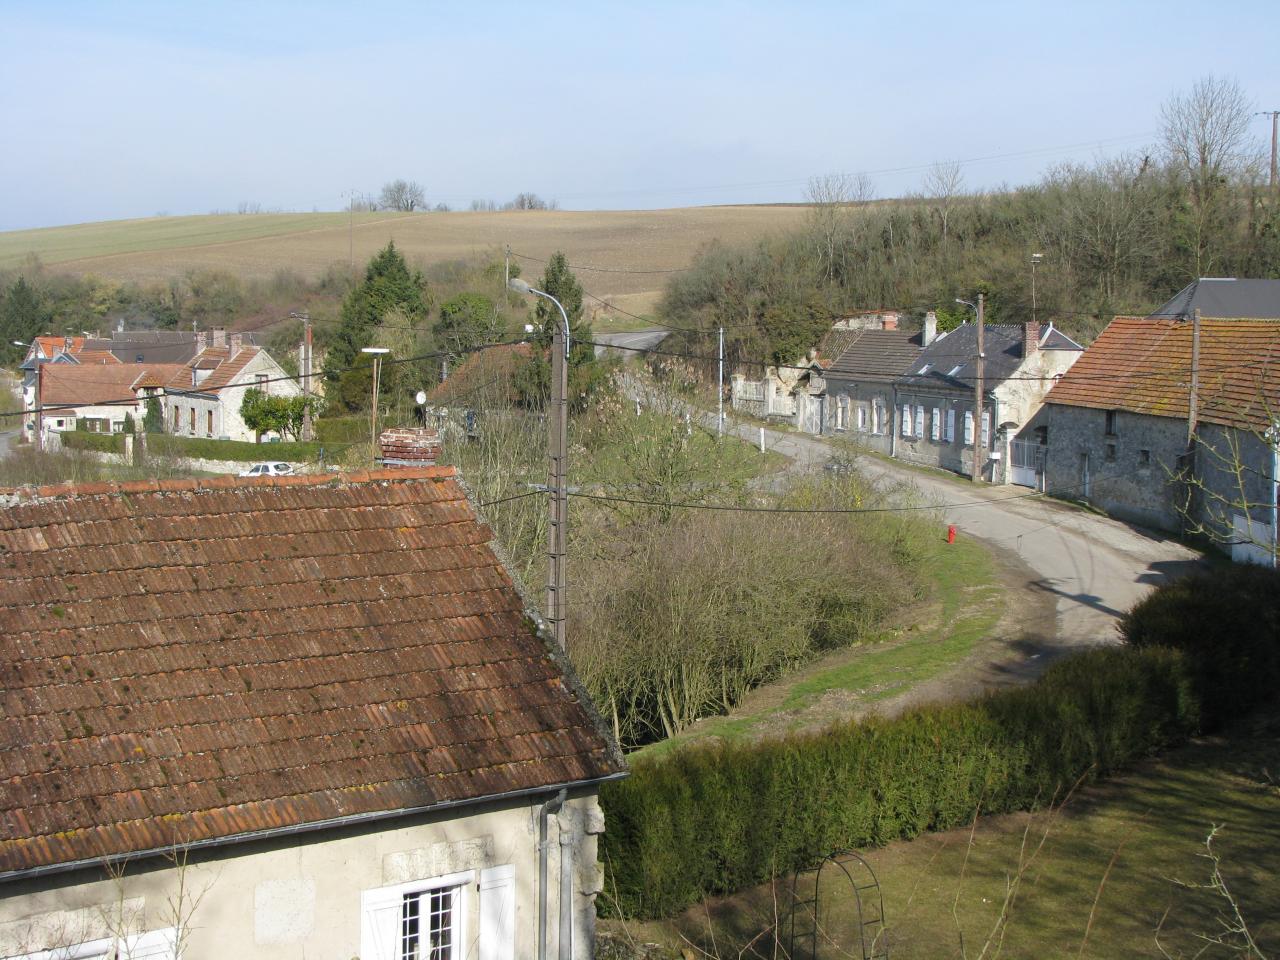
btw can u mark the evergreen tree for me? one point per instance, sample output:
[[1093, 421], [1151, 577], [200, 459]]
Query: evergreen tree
[[467, 321], [533, 378], [388, 286], [23, 316]]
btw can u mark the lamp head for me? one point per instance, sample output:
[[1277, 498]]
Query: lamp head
[[519, 286]]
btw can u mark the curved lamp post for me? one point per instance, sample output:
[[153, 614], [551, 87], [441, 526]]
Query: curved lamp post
[[558, 457]]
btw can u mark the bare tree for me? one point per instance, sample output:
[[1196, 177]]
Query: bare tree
[[1205, 135], [832, 197], [944, 184], [403, 195]]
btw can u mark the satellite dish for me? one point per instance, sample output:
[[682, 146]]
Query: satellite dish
[[421, 397]]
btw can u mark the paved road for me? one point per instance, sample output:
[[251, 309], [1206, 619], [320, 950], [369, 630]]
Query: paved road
[[1093, 567], [640, 340]]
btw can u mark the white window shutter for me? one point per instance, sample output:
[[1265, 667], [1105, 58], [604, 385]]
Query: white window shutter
[[919, 431], [951, 425], [906, 420], [380, 912], [986, 428], [968, 428], [498, 913], [935, 425]]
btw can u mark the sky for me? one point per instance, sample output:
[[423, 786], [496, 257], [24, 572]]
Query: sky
[[130, 108]]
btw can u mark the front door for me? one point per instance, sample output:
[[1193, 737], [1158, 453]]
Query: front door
[[1084, 476]]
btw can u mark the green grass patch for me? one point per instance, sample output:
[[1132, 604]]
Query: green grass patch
[[82, 240], [968, 601], [163, 445], [1153, 821]]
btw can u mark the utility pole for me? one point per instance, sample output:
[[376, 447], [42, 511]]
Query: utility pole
[[558, 467], [351, 230], [377, 353], [979, 451], [306, 372], [1275, 126], [558, 454], [39, 438], [1035, 259], [720, 390], [506, 279]]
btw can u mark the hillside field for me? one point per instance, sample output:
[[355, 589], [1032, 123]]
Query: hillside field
[[258, 245]]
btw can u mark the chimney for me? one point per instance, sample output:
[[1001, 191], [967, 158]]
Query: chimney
[[235, 342], [66, 344], [1030, 338], [930, 333], [409, 446], [889, 321], [217, 337]]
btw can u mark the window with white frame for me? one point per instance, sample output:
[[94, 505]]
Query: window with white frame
[[935, 426], [862, 418], [951, 426], [427, 919], [919, 430], [906, 419], [842, 413], [968, 428]]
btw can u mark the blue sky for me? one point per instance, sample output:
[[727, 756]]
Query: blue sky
[[126, 109]]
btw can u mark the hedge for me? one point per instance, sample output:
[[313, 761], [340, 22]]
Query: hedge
[[1227, 622], [715, 819], [163, 445], [344, 430], [87, 440]]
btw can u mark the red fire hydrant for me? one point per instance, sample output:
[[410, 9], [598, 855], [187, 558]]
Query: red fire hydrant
[[951, 533]]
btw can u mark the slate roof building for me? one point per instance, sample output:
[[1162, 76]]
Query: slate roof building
[[1224, 298], [934, 400], [318, 705], [860, 384], [1124, 436]]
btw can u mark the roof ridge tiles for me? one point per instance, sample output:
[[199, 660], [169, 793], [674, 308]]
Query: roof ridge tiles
[[29, 493]]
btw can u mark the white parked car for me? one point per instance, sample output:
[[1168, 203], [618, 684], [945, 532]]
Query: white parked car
[[272, 469]]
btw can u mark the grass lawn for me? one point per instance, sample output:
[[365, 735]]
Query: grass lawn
[[924, 642], [1124, 843]]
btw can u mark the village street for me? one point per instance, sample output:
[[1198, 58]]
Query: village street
[[1091, 567]]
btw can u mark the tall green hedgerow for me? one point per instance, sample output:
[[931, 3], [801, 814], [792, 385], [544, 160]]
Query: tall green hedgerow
[[715, 819], [1227, 622]]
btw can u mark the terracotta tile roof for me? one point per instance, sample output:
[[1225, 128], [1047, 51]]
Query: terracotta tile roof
[[68, 384], [482, 369], [193, 661], [1144, 365], [226, 367], [88, 357], [51, 345]]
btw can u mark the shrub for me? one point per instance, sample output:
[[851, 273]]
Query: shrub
[[99, 442], [713, 819], [342, 429], [1227, 622]]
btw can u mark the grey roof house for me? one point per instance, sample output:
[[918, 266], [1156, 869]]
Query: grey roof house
[[934, 399], [1224, 298]]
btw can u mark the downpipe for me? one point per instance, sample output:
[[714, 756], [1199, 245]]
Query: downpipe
[[545, 812], [566, 893]]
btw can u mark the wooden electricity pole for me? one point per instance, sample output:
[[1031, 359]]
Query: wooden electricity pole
[[306, 375], [979, 451], [1275, 126]]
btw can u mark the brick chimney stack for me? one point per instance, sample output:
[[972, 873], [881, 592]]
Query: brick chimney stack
[[889, 321], [234, 343], [1030, 339]]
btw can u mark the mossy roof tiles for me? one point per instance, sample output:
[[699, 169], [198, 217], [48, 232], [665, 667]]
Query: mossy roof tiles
[[191, 661]]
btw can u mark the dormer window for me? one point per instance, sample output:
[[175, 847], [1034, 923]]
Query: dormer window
[[954, 370], [923, 370]]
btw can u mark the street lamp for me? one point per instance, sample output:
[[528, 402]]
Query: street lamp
[[377, 353], [1035, 259], [558, 458]]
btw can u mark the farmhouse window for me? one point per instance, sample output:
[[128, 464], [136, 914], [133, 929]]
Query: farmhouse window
[[919, 426], [986, 428], [427, 919], [842, 413], [209, 425], [906, 419], [1111, 423], [951, 426], [968, 428], [176, 414], [862, 418], [935, 426], [191, 421], [152, 945], [1111, 453], [1144, 458]]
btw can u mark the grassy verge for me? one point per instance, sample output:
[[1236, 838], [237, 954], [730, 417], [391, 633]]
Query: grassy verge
[[162, 445], [964, 607], [1123, 844]]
